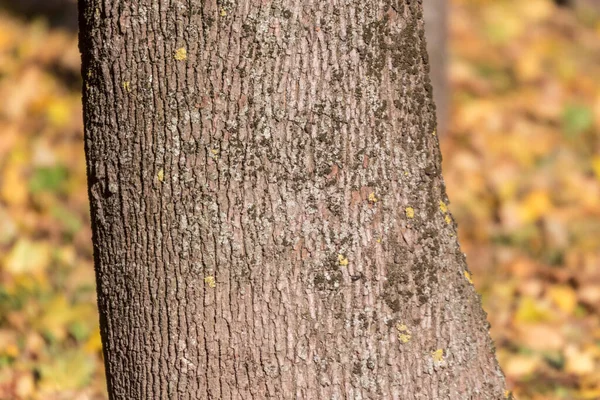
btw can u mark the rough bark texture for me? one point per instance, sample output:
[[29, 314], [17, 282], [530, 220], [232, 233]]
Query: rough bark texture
[[436, 34], [269, 216]]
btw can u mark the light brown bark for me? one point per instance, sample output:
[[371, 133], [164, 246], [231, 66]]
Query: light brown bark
[[269, 216]]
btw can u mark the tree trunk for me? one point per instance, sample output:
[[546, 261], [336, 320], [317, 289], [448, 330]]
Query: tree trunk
[[269, 216], [436, 34]]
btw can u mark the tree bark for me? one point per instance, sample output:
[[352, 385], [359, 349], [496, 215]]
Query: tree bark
[[269, 216], [436, 33]]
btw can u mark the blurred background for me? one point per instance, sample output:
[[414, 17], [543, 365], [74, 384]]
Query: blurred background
[[518, 87]]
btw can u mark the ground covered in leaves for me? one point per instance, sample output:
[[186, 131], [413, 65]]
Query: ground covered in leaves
[[522, 166], [521, 162]]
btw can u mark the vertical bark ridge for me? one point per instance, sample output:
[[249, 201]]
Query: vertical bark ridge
[[269, 215]]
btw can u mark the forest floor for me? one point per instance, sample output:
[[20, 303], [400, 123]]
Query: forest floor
[[522, 168], [521, 164]]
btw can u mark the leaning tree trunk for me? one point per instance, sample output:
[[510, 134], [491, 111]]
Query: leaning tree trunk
[[269, 217]]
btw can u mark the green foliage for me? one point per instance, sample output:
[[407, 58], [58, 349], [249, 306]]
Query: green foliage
[[577, 119], [50, 179]]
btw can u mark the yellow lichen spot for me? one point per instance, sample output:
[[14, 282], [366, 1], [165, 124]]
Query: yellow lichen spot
[[404, 337], [127, 86], [443, 207], [468, 276], [210, 281], [223, 12], [379, 239], [410, 212], [215, 152], [438, 355], [343, 260], [448, 219], [506, 394], [434, 133], [373, 198], [181, 54], [161, 175], [403, 333], [596, 166], [405, 173]]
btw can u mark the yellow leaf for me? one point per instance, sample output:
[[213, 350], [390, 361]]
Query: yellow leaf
[[59, 112], [57, 315], [28, 257], [532, 310], [72, 370], [520, 365], [9, 343], [535, 10], [25, 386], [589, 394], [579, 362], [564, 297], [596, 166], [535, 205], [529, 66], [8, 227], [13, 187], [502, 23], [94, 342]]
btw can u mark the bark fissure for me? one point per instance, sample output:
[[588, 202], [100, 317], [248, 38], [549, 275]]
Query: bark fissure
[[269, 216]]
